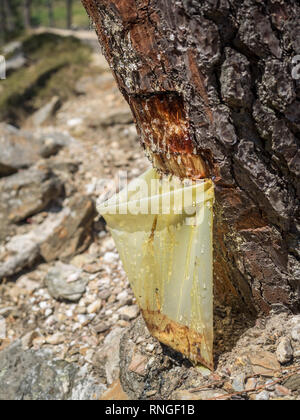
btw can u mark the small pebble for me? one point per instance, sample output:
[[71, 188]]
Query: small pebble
[[263, 396], [94, 307], [48, 312], [150, 347], [55, 339]]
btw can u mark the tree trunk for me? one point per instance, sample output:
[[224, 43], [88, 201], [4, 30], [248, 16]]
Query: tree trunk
[[50, 13], [10, 18], [27, 13], [211, 88], [3, 26], [69, 13]]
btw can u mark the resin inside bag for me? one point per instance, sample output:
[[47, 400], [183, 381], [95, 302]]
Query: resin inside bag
[[162, 228]]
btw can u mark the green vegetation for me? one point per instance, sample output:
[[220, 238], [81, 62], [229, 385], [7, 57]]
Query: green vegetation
[[40, 15], [47, 13], [54, 65]]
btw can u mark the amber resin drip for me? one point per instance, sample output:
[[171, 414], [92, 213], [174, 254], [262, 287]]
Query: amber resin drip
[[165, 134]]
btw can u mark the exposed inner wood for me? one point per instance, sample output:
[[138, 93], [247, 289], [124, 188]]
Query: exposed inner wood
[[164, 132]]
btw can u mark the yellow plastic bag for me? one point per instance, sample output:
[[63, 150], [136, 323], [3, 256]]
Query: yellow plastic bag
[[163, 232]]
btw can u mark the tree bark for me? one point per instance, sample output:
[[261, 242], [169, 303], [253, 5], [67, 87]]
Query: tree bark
[[10, 18], [211, 89], [69, 13], [3, 26], [27, 13], [50, 13]]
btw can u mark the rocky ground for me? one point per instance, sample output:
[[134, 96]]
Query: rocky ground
[[69, 325]]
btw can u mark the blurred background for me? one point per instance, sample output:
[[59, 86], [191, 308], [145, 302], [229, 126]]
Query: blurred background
[[17, 15], [65, 132]]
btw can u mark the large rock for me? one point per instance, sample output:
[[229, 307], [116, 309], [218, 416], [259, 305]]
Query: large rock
[[27, 193], [12, 48], [47, 111], [16, 62], [23, 250], [14, 54], [38, 375], [21, 149], [66, 282], [74, 233], [61, 235], [149, 368], [109, 356], [14, 153]]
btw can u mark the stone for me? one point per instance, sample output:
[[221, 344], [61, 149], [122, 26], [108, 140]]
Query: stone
[[93, 268], [39, 375], [88, 83], [292, 383], [74, 122], [112, 345], [55, 339], [295, 333], [16, 62], [184, 395], [122, 296], [47, 111], [110, 257], [74, 233], [27, 193], [105, 294], [251, 384], [101, 327], [109, 355], [113, 117], [27, 339], [13, 156], [2, 328], [51, 143], [269, 385], [21, 148], [115, 393], [12, 47], [94, 307], [166, 371], [138, 364], [282, 391], [284, 351], [239, 382], [129, 312], [23, 250], [62, 285], [6, 310], [86, 387], [263, 396], [150, 347], [264, 363]]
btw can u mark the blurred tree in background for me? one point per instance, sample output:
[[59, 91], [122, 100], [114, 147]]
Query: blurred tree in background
[[18, 15]]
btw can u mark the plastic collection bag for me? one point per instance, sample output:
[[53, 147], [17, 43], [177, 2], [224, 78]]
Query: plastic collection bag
[[162, 228]]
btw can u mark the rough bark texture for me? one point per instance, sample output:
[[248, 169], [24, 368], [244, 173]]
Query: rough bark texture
[[218, 74], [69, 13]]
